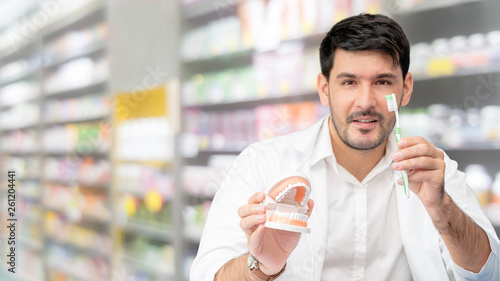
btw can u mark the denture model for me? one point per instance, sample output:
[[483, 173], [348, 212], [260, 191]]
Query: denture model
[[286, 204]]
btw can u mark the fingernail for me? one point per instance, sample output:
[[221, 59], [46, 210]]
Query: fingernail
[[260, 218], [398, 155], [260, 209], [402, 143], [396, 165], [260, 196]]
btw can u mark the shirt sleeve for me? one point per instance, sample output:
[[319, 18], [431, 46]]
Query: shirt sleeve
[[464, 198], [222, 238], [490, 270]]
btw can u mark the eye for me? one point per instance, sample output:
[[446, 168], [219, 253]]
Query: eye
[[383, 82], [348, 82]]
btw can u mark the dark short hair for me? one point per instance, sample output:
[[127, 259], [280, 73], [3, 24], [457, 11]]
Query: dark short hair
[[366, 32]]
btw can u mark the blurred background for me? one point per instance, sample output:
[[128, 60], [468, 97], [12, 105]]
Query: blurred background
[[120, 118]]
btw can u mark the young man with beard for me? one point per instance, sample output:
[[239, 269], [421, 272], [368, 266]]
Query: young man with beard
[[362, 226]]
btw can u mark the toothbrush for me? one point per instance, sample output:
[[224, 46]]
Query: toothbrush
[[393, 106]]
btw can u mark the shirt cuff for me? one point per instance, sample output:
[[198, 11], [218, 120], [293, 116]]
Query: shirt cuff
[[484, 274]]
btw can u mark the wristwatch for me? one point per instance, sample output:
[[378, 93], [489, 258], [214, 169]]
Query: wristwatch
[[253, 265]]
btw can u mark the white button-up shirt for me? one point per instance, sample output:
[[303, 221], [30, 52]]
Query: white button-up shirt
[[379, 234], [364, 239]]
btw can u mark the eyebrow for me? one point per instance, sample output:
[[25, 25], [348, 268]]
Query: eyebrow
[[379, 76]]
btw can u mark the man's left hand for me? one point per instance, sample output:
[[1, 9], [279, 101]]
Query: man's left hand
[[425, 166]]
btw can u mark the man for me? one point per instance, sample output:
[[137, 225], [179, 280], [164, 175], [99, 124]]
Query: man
[[362, 226]]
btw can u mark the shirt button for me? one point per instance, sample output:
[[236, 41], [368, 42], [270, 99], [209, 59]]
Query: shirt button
[[358, 276], [360, 189], [361, 231]]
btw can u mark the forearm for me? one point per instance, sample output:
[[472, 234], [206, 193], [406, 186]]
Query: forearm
[[467, 242], [235, 269]]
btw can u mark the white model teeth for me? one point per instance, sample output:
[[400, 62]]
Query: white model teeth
[[294, 216], [287, 189]]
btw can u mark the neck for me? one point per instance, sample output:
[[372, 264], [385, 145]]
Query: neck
[[357, 162]]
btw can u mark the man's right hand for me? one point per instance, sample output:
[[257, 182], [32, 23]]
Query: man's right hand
[[271, 247]]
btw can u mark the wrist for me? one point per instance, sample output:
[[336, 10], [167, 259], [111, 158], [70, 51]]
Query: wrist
[[263, 272]]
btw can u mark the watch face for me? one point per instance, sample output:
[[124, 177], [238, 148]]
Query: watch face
[[250, 260]]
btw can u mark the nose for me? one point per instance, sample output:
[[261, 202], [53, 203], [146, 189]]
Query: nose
[[366, 97]]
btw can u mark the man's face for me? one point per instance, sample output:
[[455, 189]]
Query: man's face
[[358, 84]]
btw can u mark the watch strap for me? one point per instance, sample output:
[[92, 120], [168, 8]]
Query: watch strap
[[261, 275]]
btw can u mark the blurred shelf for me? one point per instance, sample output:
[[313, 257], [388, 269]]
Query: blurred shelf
[[20, 153], [87, 51], [479, 145], [142, 192], [146, 162], [67, 268], [84, 249], [82, 120], [82, 184], [31, 218], [18, 276], [32, 197], [11, 53], [150, 267], [207, 8], [77, 91], [308, 95], [148, 231], [191, 238], [226, 57], [20, 76], [83, 218], [34, 246], [430, 5], [462, 72], [23, 127], [75, 152]]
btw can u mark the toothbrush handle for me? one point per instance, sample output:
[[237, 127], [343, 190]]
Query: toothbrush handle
[[404, 174]]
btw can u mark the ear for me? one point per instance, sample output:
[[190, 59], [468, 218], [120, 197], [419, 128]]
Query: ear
[[407, 89], [323, 89]]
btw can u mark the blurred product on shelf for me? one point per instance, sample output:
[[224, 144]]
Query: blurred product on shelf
[[195, 217], [203, 181], [61, 231], [20, 116], [76, 138], [29, 210], [154, 260], [18, 92], [30, 189], [289, 70], [479, 52], [88, 107], [18, 68], [75, 74], [454, 127], [150, 210], [20, 141], [139, 179], [30, 264], [235, 129], [68, 263], [479, 180], [76, 203], [263, 25], [76, 42], [25, 167], [145, 139], [86, 171]]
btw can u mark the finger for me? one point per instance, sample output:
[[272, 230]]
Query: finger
[[253, 209], [310, 206], [250, 223], [254, 238], [416, 150], [419, 163], [257, 198], [433, 177]]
